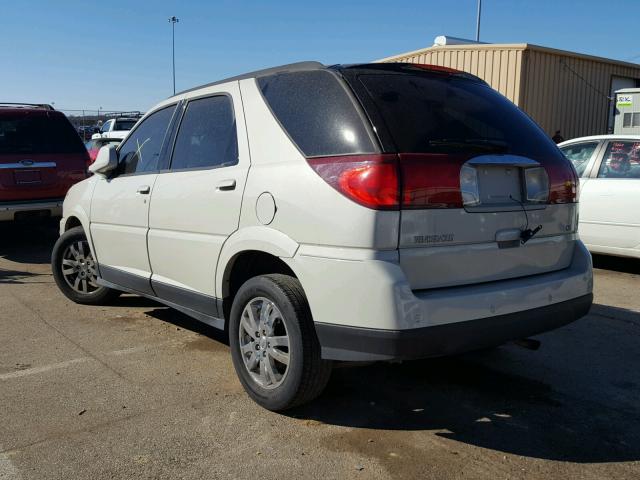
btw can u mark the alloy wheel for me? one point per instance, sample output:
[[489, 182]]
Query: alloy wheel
[[264, 342], [79, 268]]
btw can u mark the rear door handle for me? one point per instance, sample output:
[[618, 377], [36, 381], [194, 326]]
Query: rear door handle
[[226, 185], [144, 189]]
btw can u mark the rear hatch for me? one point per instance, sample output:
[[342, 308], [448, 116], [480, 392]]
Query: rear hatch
[[41, 155], [477, 177]]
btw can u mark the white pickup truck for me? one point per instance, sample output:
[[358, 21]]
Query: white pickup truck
[[116, 127]]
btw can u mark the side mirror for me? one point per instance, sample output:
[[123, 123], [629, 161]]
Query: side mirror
[[106, 160]]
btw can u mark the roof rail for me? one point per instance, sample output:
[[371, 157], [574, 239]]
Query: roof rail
[[25, 105], [291, 67]]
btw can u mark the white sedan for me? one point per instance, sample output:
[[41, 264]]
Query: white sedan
[[609, 170]]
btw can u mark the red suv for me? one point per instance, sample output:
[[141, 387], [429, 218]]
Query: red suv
[[41, 156]]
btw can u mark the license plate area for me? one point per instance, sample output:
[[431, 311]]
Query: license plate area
[[499, 185]]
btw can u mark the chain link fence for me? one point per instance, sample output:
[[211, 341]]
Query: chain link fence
[[88, 121]]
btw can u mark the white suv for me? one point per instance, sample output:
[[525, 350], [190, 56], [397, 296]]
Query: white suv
[[349, 213], [117, 127]]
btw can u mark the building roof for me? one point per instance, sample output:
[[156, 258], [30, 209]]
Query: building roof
[[510, 46]]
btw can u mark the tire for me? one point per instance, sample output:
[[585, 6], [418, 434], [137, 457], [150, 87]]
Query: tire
[[279, 386], [73, 249]]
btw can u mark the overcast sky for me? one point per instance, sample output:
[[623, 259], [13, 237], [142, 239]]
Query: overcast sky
[[117, 54]]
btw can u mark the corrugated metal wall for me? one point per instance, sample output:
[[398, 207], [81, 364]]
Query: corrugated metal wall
[[569, 93], [499, 66], [559, 90]]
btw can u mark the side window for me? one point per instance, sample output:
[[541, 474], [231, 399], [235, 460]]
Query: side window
[[579, 154], [105, 127], [207, 136], [315, 110], [621, 160], [141, 151]]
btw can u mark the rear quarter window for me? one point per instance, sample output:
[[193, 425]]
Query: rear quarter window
[[317, 112]]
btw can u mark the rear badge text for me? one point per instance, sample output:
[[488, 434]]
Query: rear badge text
[[446, 237]]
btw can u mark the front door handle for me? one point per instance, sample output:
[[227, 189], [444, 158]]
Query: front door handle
[[225, 185], [144, 189]]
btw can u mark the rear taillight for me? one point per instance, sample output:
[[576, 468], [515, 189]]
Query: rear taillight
[[431, 180], [370, 180], [563, 182], [414, 181]]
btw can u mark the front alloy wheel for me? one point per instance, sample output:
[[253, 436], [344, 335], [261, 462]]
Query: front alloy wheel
[[79, 267], [75, 270]]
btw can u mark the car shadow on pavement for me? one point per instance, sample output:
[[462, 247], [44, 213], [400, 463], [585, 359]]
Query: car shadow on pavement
[[179, 319], [18, 276], [473, 400], [618, 264], [28, 242]]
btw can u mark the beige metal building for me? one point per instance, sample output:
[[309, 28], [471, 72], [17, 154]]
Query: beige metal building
[[561, 90]]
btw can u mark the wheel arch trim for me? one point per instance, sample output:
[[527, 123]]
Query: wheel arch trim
[[256, 238]]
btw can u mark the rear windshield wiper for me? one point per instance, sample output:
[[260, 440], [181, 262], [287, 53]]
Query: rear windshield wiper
[[478, 143]]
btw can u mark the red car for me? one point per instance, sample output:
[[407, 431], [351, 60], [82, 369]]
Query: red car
[[41, 157]]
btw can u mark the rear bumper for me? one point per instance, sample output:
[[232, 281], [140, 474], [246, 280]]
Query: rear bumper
[[362, 344], [51, 208], [364, 309]]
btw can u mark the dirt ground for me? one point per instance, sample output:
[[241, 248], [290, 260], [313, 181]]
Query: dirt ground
[[137, 390]]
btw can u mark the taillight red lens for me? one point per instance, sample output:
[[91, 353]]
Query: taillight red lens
[[420, 180], [431, 180], [370, 180], [563, 182]]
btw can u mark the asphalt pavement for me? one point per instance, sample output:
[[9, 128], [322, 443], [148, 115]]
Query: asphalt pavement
[[138, 390]]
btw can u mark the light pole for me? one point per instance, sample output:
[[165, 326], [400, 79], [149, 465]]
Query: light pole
[[478, 21], [173, 20]]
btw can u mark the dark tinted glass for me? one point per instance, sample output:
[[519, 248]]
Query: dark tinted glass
[[141, 151], [124, 124], [207, 135], [317, 113], [39, 133], [428, 113]]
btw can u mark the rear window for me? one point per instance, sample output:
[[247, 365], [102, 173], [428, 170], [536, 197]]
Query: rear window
[[124, 124], [39, 133], [429, 113], [317, 112]]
